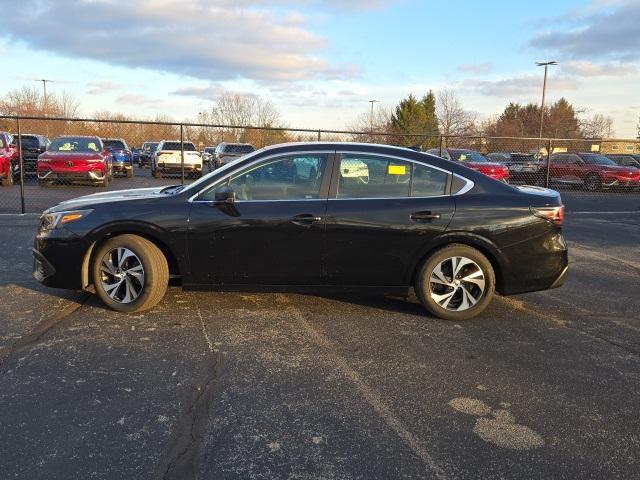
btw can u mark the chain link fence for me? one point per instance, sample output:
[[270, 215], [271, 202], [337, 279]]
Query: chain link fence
[[44, 161]]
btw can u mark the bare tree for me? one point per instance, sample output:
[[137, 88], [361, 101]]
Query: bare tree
[[453, 119], [242, 110], [597, 126], [381, 123]]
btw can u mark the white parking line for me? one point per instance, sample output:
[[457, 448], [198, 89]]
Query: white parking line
[[370, 395]]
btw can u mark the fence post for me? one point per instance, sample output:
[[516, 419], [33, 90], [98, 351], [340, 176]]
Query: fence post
[[441, 145], [182, 154], [21, 163], [319, 132], [546, 182]]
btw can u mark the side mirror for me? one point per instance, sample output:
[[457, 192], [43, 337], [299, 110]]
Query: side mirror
[[225, 196]]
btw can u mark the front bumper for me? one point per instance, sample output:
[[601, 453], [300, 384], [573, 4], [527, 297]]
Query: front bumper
[[621, 182], [91, 176], [57, 259]]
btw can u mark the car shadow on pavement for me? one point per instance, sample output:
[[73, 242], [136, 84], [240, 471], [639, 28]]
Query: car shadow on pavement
[[409, 305]]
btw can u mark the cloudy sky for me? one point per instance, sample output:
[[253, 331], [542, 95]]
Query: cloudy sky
[[320, 61]]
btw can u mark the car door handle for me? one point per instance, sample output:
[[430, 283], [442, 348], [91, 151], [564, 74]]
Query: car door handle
[[424, 216], [305, 219]]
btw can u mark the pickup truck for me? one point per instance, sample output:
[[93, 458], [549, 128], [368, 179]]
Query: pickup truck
[[167, 159]]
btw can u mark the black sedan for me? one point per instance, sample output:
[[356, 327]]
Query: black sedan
[[312, 217]]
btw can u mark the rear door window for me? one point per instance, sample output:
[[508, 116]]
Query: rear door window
[[372, 176]]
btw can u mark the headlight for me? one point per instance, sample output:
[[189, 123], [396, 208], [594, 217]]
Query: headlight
[[49, 221]]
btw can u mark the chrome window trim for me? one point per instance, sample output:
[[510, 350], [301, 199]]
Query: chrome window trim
[[258, 160], [468, 186]]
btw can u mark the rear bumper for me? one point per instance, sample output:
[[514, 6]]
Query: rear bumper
[[177, 168], [539, 265], [121, 166]]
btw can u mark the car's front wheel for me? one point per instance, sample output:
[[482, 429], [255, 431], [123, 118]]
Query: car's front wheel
[[130, 273], [592, 183], [456, 283]]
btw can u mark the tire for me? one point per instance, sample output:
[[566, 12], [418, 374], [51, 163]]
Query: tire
[[540, 181], [459, 294], [150, 283], [592, 183], [7, 182], [43, 183]]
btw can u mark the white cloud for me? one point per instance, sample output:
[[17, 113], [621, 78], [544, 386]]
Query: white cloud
[[212, 40], [606, 30], [519, 87], [585, 68], [478, 68]]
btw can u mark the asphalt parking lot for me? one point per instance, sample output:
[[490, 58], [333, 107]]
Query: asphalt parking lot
[[229, 385]]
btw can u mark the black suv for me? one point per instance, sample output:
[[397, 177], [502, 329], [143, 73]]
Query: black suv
[[523, 167], [32, 146], [146, 153]]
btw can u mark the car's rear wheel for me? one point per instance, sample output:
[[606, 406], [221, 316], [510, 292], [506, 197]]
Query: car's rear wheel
[[456, 283], [592, 183], [130, 273]]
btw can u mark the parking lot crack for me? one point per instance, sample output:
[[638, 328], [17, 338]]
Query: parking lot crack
[[180, 459], [43, 327]]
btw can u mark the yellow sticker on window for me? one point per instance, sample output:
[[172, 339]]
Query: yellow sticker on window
[[397, 170]]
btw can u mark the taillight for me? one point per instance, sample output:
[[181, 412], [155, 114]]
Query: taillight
[[553, 214]]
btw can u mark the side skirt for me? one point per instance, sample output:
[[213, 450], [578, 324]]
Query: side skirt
[[402, 291]]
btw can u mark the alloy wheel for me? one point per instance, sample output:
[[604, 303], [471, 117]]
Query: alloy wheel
[[457, 284], [122, 275]]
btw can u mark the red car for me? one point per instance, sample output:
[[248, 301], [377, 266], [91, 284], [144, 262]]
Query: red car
[[474, 160], [75, 159], [8, 153], [593, 171]]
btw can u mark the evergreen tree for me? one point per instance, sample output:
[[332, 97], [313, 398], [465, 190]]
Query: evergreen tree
[[417, 121], [431, 120]]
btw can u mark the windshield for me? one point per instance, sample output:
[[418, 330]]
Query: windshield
[[30, 142], [114, 144], [467, 156], [75, 144], [522, 157], [150, 146], [231, 148], [597, 159], [190, 147]]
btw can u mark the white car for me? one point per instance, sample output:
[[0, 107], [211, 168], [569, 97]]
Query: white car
[[167, 159]]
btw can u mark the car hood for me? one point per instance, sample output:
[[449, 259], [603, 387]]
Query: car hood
[[87, 201]]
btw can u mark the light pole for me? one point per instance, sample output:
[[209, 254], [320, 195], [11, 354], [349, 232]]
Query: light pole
[[372, 102], [544, 91], [44, 88]]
